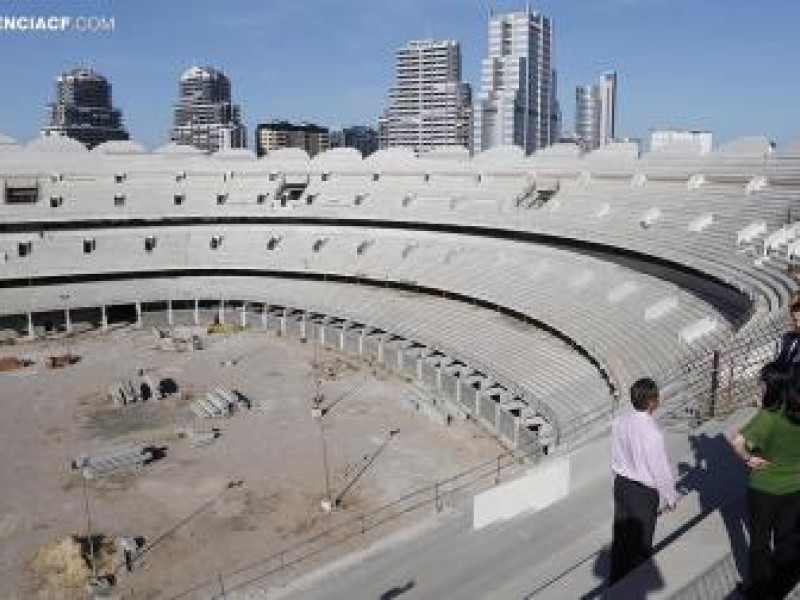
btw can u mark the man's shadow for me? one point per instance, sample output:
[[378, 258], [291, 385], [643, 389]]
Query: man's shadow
[[719, 479]]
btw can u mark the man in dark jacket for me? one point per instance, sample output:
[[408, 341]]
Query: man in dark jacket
[[777, 372]]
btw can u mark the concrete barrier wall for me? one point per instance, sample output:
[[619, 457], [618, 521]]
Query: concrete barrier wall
[[543, 485]]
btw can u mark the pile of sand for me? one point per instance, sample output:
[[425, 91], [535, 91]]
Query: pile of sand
[[63, 564]]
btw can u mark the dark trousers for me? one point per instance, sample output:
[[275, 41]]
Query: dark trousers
[[635, 512], [773, 543]]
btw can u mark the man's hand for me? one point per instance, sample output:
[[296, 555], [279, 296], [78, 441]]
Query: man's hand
[[668, 508], [756, 463]]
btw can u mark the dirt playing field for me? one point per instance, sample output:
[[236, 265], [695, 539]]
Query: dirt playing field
[[211, 509]]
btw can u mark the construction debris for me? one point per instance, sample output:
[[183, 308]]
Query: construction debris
[[12, 363], [127, 549], [203, 437], [127, 392], [121, 458], [62, 360], [219, 402], [224, 328], [179, 339]]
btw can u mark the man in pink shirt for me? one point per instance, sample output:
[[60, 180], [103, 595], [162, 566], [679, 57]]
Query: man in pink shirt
[[643, 481]]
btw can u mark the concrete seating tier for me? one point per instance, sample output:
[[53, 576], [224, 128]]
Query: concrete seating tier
[[548, 285], [542, 371]]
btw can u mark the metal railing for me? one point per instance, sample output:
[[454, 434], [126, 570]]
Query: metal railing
[[362, 528]]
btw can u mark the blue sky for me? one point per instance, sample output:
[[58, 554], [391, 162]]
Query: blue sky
[[730, 66]]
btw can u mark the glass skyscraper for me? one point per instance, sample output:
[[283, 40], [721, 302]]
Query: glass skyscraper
[[517, 103]]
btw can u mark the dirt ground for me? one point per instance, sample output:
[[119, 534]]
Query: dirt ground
[[205, 510]]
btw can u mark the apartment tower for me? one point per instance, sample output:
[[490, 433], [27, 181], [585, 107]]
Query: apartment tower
[[429, 105], [204, 115], [83, 109], [596, 112]]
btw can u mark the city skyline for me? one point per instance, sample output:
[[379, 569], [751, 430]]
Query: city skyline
[[337, 67]]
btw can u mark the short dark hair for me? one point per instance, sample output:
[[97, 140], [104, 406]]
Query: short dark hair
[[642, 392], [794, 308]]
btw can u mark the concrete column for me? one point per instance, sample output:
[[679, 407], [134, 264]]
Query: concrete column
[[361, 343], [138, 306], [196, 311], [103, 318], [419, 368], [31, 331], [221, 312], [67, 321], [243, 316], [380, 350], [304, 327], [283, 321], [170, 316], [264, 317]]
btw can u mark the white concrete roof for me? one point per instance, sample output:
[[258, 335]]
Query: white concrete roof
[[120, 147], [678, 148], [235, 154], [389, 158], [501, 153], [180, 149], [749, 145], [338, 157], [616, 150], [56, 143], [288, 154]]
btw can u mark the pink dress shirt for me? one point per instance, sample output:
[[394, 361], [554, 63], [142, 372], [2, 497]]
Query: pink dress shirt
[[638, 453]]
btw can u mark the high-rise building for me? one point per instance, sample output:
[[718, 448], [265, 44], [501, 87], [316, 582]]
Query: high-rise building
[[429, 105], [364, 139], [517, 103], [607, 92], [274, 135], [83, 109], [596, 112], [702, 141], [586, 116], [204, 115]]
